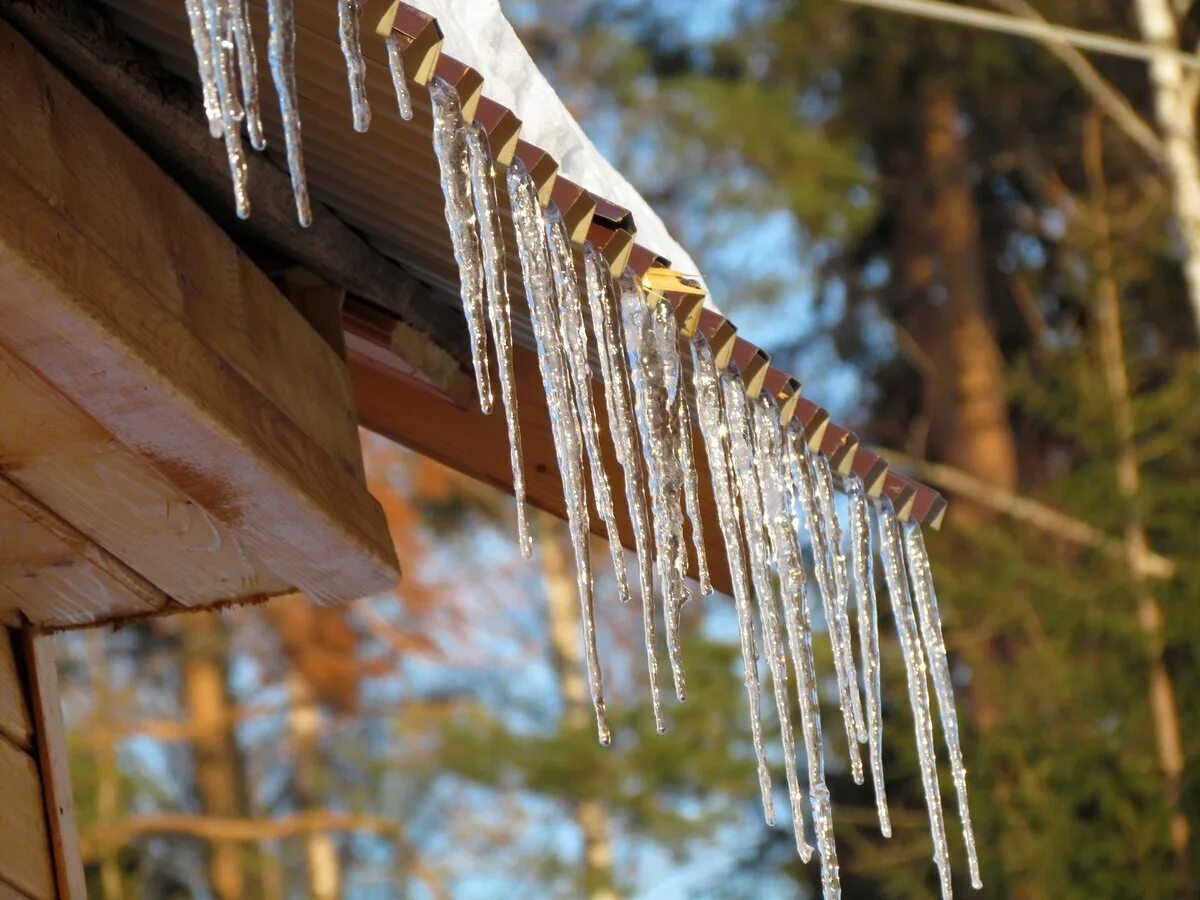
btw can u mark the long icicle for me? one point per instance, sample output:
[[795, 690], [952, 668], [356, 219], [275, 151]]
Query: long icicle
[[573, 331], [710, 415], [610, 342], [202, 47], [805, 487], [789, 566], [891, 552], [837, 564], [653, 396], [247, 63], [450, 147], [399, 79], [491, 238], [349, 22], [691, 487], [750, 473], [863, 570], [219, 20], [939, 668], [530, 228], [281, 55]]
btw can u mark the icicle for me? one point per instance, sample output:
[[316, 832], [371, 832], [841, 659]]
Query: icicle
[[281, 54], [892, 555], [653, 398], [349, 15], [574, 337], [749, 473], [610, 342], [691, 488], [789, 566], [805, 487], [399, 80], [219, 20], [450, 146], [836, 561], [202, 46], [247, 62], [710, 415], [862, 569], [939, 669], [530, 229], [483, 189]]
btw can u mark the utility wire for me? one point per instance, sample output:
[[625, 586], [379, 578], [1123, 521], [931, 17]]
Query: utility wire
[[1002, 23]]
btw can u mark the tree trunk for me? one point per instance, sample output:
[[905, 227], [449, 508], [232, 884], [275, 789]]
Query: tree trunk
[[1175, 109], [220, 778], [1112, 352], [970, 422], [563, 612], [324, 868]]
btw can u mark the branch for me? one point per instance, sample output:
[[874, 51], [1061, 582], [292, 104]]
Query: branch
[[1024, 509], [1107, 97]]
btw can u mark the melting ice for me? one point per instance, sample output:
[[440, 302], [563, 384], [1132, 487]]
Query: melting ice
[[399, 81], [247, 63], [349, 20], [281, 55]]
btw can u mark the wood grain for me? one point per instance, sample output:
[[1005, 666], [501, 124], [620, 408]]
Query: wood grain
[[14, 709], [25, 861]]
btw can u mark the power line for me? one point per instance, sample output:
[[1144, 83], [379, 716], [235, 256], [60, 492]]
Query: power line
[[1002, 23]]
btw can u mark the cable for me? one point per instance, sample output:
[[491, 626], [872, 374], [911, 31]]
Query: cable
[[1003, 23]]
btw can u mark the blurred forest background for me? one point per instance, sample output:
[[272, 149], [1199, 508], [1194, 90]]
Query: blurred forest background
[[974, 249]]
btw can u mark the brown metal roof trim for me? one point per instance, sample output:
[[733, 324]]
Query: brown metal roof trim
[[610, 229]]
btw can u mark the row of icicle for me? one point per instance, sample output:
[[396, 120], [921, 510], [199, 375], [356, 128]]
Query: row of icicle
[[772, 494]]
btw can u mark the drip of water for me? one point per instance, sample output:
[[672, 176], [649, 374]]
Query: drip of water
[[530, 228], [610, 343], [399, 80], [789, 566], [939, 668], [247, 63], [653, 394], [891, 553], [862, 570], [218, 19], [574, 338], [349, 20], [281, 54], [202, 47], [807, 492], [750, 474], [837, 564], [450, 147], [691, 488], [710, 415], [483, 189]]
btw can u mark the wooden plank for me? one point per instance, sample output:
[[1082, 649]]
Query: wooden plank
[[98, 318], [54, 763], [25, 856], [14, 710]]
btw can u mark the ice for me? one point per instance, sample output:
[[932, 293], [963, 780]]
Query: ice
[[862, 572], [891, 553], [654, 395], [710, 416], [573, 332], [281, 55], [939, 669], [247, 63], [691, 487], [610, 344], [808, 493], [450, 147], [483, 190], [202, 47], [789, 567], [749, 473], [218, 18], [349, 16], [530, 228], [399, 80]]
